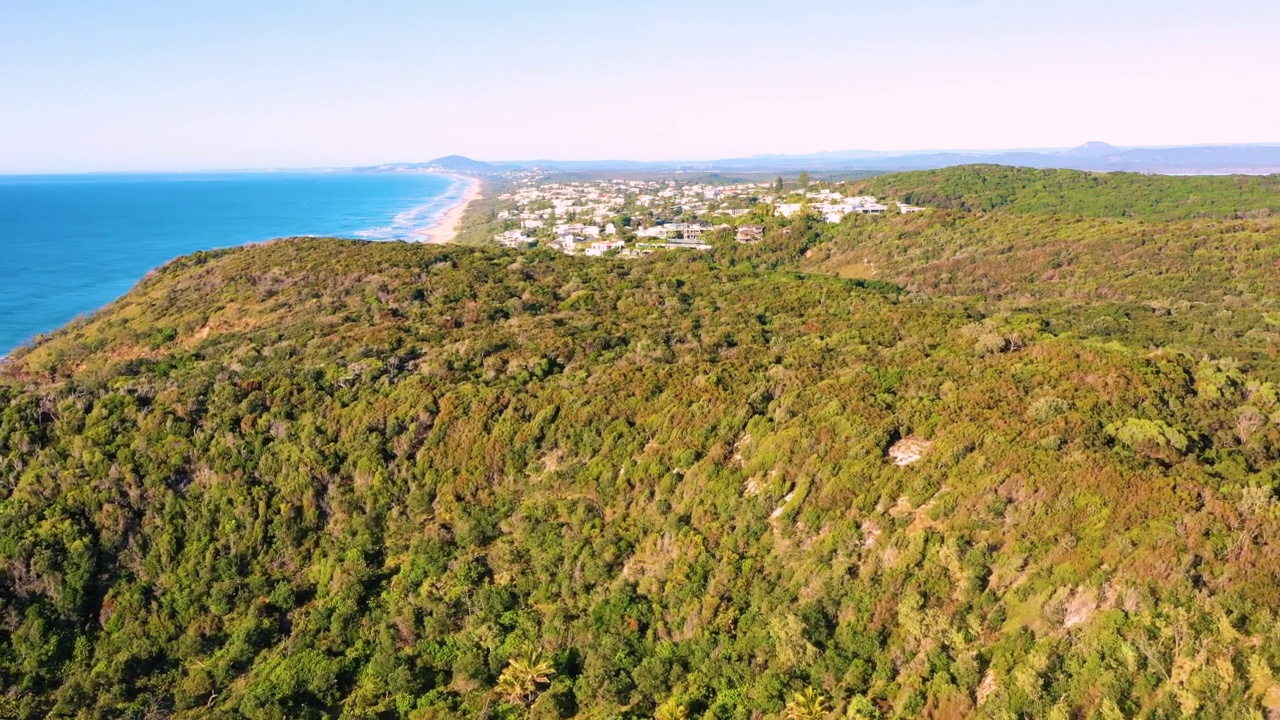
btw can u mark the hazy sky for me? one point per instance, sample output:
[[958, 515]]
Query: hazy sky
[[171, 84]]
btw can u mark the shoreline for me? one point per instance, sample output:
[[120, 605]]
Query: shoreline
[[446, 228], [135, 267]]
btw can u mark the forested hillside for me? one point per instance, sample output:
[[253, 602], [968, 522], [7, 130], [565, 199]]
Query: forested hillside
[[321, 478], [1085, 194], [1204, 286]]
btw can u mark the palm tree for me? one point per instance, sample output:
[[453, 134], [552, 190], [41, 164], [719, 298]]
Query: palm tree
[[671, 710], [808, 704], [520, 682]]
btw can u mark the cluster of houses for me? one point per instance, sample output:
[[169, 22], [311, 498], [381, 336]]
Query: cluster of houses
[[833, 207], [637, 217]]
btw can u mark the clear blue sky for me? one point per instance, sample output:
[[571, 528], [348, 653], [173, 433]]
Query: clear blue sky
[[133, 85]]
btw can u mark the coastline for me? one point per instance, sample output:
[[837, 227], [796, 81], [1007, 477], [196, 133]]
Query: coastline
[[446, 228]]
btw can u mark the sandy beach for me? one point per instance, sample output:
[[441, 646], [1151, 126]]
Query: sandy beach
[[447, 228]]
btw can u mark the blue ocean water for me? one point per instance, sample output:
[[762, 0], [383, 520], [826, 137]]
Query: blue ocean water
[[71, 244]]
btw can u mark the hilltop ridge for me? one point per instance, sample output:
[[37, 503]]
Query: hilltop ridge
[[1027, 190]]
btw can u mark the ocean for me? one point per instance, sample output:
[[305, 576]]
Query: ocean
[[71, 244]]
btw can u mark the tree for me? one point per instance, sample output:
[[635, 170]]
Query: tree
[[804, 178], [808, 704], [861, 708], [778, 185], [671, 710], [521, 680]]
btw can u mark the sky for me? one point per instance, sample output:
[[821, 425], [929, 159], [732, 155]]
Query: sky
[[137, 85]]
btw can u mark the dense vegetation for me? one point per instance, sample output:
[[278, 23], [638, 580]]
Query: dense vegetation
[[1198, 286], [321, 478], [1085, 194]]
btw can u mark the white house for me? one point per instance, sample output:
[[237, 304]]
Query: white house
[[571, 229], [657, 231], [567, 244], [513, 239], [600, 247]]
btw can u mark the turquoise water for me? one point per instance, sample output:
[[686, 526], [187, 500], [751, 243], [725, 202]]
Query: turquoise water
[[71, 244]]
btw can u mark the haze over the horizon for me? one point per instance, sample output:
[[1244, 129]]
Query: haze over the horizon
[[139, 85]]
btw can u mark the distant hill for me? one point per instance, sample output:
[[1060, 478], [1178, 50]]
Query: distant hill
[[1094, 155], [450, 163], [1073, 192], [1098, 156], [1093, 149], [461, 164]]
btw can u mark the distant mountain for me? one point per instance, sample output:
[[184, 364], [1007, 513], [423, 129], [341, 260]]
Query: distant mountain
[[1094, 155], [458, 163], [450, 163], [1093, 149]]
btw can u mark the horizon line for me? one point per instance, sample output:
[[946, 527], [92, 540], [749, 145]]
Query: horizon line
[[872, 155]]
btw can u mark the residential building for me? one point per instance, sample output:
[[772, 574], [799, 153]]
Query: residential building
[[600, 247], [748, 234], [514, 239]]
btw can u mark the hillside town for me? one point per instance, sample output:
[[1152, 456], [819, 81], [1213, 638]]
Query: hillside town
[[632, 218]]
